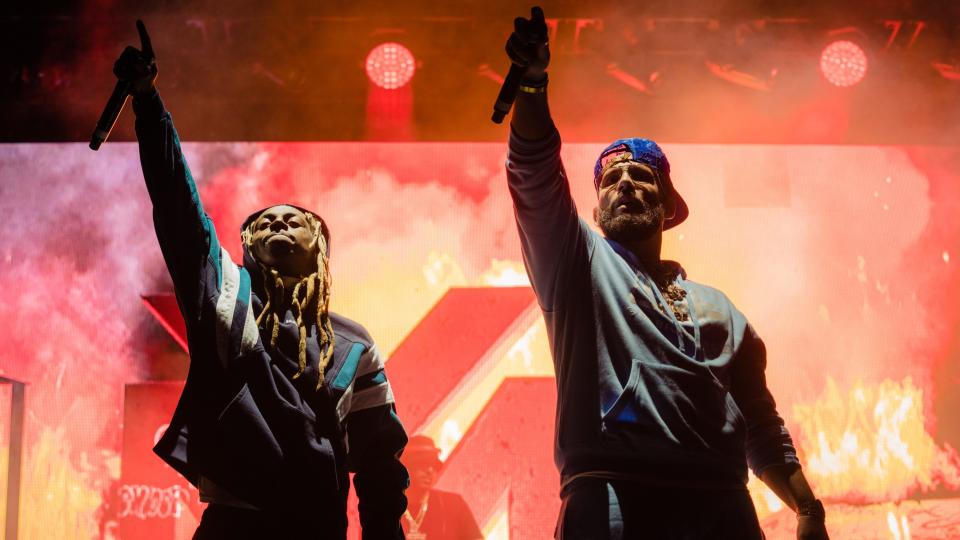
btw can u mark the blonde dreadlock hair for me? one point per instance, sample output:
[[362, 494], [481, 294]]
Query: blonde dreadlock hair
[[311, 291]]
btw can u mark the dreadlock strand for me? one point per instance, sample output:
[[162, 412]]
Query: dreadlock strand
[[311, 290], [295, 297], [324, 324], [302, 345], [323, 296], [277, 284], [276, 329], [321, 327], [327, 354], [266, 309], [267, 304]]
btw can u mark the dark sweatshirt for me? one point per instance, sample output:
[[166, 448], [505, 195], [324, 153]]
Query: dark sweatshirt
[[641, 395], [253, 434]]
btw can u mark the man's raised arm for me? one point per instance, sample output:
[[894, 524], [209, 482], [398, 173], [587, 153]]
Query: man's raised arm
[[551, 234], [184, 231]]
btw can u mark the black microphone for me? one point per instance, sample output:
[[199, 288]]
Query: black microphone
[[110, 113], [508, 93]]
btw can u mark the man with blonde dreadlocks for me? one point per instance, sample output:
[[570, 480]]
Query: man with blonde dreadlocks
[[283, 397]]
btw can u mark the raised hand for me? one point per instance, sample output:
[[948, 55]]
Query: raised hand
[[138, 66], [527, 45]]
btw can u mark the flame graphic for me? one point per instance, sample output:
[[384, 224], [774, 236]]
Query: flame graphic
[[505, 274], [869, 444], [60, 499]]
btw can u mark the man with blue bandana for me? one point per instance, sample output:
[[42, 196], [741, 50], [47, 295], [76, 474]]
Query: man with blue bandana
[[662, 402]]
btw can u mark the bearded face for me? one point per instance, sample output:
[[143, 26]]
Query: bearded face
[[630, 205], [626, 226]]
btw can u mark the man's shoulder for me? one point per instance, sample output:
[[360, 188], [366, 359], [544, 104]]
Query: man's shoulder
[[350, 330], [712, 300], [704, 289], [708, 293]]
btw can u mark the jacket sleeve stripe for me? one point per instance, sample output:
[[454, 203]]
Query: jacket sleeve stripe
[[371, 397], [250, 334], [349, 369], [233, 285], [369, 380], [215, 253], [370, 362]]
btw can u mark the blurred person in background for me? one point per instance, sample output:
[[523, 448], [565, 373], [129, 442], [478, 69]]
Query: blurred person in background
[[433, 514]]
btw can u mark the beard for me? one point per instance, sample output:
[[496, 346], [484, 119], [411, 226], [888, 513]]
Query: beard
[[632, 226]]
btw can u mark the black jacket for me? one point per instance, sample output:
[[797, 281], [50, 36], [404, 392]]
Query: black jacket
[[242, 422]]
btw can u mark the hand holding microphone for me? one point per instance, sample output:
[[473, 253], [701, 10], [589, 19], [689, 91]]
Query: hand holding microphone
[[529, 53], [136, 71]]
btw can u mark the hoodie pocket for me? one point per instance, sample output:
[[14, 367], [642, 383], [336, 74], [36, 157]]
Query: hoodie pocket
[[278, 453], [687, 406], [622, 409], [243, 432]]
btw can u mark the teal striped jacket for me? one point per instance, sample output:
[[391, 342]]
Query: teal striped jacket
[[242, 423]]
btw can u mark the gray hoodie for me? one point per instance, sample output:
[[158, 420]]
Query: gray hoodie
[[641, 395]]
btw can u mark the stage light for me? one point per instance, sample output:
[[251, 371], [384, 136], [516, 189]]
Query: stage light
[[390, 65], [762, 81], [843, 63], [645, 85], [951, 72]]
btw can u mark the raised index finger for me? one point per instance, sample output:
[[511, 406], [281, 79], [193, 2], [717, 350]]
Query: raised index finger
[[537, 22], [536, 15], [146, 47]]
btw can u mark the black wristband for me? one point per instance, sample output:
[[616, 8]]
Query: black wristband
[[812, 508]]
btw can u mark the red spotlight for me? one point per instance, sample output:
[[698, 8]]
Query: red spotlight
[[843, 63], [390, 65]]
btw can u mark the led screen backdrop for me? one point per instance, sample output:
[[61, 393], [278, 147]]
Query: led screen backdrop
[[844, 259]]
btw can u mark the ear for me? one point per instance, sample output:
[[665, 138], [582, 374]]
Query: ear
[[596, 215]]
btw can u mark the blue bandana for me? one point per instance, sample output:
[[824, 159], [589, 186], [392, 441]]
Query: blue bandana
[[641, 150], [649, 153]]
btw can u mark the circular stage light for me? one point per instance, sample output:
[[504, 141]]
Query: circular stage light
[[843, 63], [390, 65]]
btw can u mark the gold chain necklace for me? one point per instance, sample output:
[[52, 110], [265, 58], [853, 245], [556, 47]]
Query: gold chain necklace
[[415, 523], [665, 278]]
